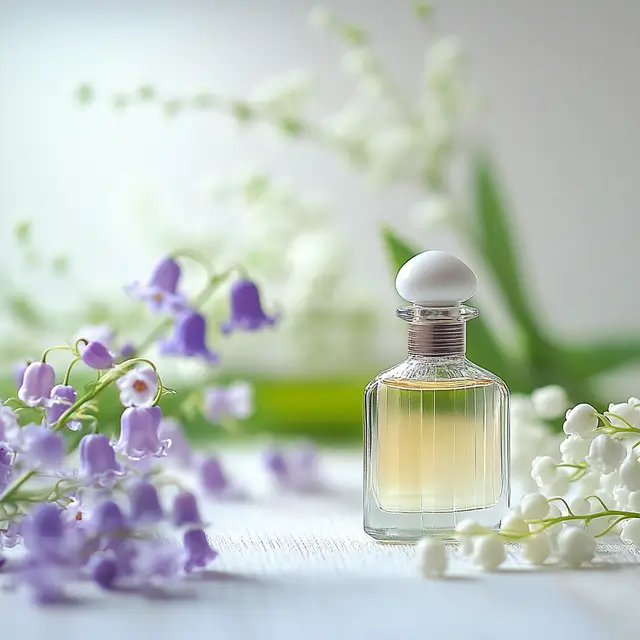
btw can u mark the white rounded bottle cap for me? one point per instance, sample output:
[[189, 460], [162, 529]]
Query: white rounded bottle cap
[[436, 279]]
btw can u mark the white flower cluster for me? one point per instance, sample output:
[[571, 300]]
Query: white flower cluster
[[530, 434], [598, 464]]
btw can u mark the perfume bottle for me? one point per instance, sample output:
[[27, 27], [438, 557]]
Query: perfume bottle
[[436, 426]]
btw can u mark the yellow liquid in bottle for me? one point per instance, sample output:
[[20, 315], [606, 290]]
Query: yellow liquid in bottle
[[438, 445]]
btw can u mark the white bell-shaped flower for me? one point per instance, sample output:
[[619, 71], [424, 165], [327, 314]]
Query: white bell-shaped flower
[[574, 449], [630, 473], [432, 557], [575, 547], [488, 552], [623, 413], [606, 454], [581, 421], [550, 402]]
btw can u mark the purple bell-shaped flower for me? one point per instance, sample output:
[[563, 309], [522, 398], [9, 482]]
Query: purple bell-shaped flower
[[145, 504], [160, 293], [97, 356], [62, 397], [37, 383], [199, 551], [246, 309], [139, 433], [98, 459], [189, 338]]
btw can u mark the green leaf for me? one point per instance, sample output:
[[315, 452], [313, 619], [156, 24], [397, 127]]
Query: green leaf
[[483, 347], [494, 242], [397, 249], [589, 360]]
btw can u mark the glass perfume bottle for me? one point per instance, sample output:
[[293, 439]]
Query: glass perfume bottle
[[436, 426]]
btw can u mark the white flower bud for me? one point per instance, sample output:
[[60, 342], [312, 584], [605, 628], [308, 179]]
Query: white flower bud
[[633, 501], [559, 487], [619, 413], [488, 552], [513, 523], [631, 532], [432, 212], [581, 421], [554, 529], [575, 547], [544, 470], [465, 530], [534, 506], [606, 454], [536, 549], [432, 557], [574, 449], [550, 402], [630, 472]]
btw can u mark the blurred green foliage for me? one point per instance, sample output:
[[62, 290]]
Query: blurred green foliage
[[540, 358]]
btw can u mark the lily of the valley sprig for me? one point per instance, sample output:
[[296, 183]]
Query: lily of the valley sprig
[[85, 505], [589, 490]]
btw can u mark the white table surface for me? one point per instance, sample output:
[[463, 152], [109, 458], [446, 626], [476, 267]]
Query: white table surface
[[295, 566]]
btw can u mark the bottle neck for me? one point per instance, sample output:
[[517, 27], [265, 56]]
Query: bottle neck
[[437, 332], [437, 339]]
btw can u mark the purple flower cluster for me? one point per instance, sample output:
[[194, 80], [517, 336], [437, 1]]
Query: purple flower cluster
[[189, 336], [113, 546], [295, 468]]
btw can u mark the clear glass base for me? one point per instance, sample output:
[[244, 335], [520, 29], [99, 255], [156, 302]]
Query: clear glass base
[[407, 527]]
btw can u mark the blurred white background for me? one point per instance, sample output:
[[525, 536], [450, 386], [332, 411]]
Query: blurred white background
[[559, 79]]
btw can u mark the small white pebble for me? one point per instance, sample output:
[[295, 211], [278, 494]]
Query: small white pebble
[[432, 557]]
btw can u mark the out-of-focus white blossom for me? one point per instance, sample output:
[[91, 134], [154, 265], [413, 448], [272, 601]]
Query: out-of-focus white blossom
[[283, 95], [432, 557], [488, 552], [359, 61], [434, 211], [550, 402], [575, 547], [322, 17], [536, 549]]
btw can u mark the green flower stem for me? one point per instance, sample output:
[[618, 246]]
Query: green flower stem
[[611, 429], [68, 373], [109, 378], [57, 348], [214, 281], [547, 523]]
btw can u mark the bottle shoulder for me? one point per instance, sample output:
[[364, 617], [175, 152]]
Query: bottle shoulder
[[438, 369]]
